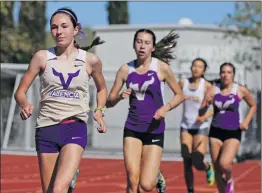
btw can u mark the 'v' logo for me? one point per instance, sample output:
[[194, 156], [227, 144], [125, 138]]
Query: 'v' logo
[[66, 83], [140, 93], [222, 107]]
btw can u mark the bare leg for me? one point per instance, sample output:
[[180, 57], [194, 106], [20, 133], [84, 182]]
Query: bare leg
[[69, 160], [215, 150], [132, 159], [151, 158]]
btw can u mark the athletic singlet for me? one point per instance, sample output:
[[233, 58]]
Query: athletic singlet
[[63, 90], [226, 109], [146, 97], [191, 105]]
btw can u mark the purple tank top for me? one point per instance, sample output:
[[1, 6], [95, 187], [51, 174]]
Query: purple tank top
[[146, 97], [226, 109]]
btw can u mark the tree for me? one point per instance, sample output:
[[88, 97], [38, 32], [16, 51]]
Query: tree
[[118, 12], [248, 22], [32, 23], [6, 14], [247, 18], [19, 43], [7, 28]]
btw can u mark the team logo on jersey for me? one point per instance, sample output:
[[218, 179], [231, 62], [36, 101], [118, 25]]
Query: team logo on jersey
[[140, 92], [222, 107], [231, 96], [193, 98], [65, 93], [66, 83]]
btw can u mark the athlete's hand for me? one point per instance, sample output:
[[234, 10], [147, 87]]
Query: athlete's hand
[[26, 111], [160, 113], [126, 93], [200, 120], [98, 117], [243, 126]]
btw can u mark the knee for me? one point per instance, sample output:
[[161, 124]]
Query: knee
[[225, 166], [147, 186], [187, 161], [185, 153], [198, 160], [187, 158]]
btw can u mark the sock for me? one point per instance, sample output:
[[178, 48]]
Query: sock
[[190, 190], [229, 180], [208, 166]]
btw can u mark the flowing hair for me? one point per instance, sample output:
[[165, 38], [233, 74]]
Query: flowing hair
[[163, 48]]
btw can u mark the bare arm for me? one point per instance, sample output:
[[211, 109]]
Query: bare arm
[[208, 114], [114, 96], [174, 86], [32, 71], [211, 112], [247, 96], [209, 95], [98, 78], [181, 84]]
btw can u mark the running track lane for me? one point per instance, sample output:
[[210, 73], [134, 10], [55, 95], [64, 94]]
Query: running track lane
[[19, 174]]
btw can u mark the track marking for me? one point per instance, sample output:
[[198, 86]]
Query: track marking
[[241, 176]]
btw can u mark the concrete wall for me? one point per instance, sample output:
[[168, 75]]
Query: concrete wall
[[208, 42]]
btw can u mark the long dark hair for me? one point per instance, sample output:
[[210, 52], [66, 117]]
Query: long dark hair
[[227, 64], [74, 20], [204, 62], [163, 48], [213, 81], [218, 80]]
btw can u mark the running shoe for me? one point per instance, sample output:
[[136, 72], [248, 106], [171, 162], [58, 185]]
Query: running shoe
[[210, 175], [161, 183]]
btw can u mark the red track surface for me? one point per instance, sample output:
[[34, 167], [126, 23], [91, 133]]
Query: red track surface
[[20, 174]]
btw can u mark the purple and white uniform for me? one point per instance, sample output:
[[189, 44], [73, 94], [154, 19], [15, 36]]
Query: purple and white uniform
[[226, 109], [64, 94], [146, 97]]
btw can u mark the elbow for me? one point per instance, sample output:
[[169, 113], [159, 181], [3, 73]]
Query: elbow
[[201, 111], [16, 96], [19, 96], [182, 97], [254, 107], [109, 103]]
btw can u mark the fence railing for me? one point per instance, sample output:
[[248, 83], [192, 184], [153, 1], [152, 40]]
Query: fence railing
[[18, 134]]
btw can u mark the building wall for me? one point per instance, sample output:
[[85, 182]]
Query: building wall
[[207, 41]]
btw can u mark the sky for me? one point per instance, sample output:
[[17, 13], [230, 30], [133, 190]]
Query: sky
[[94, 13]]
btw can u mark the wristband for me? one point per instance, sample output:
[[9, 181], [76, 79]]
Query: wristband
[[102, 109]]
